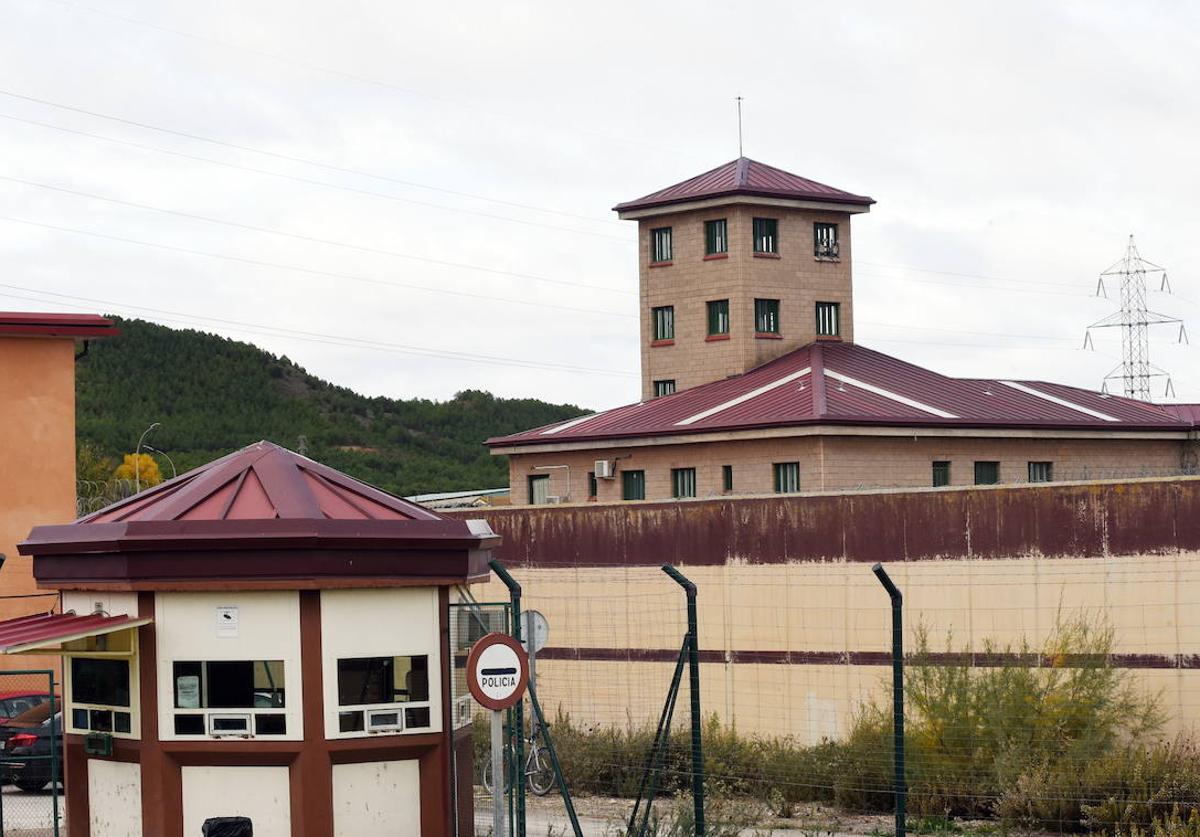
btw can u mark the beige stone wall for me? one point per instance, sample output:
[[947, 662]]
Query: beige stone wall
[[815, 611], [37, 463], [795, 278], [831, 463]]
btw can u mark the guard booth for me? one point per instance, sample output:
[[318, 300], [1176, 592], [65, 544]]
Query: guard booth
[[262, 637]]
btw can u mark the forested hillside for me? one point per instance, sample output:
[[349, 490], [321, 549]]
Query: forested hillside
[[213, 395]]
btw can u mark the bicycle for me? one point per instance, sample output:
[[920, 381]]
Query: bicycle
[[539, 771]]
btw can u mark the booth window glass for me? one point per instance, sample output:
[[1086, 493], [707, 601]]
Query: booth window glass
[[235, 698], [377, 694], [100, 695]]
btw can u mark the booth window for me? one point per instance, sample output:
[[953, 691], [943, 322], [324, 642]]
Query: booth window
[[383, 694], [230, 698], [100, 695]]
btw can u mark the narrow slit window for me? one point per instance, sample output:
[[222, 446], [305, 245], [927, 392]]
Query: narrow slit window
[[664, 322], [727, 477], [683, 482], [660, 245], [716, 237], [825, 241], [766, 235], [766, 316], [828, 319], [718, 317]]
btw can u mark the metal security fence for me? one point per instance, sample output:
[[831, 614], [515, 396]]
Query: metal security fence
[[31, 756]]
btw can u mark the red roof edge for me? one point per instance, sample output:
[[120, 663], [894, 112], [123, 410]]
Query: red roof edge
[[37, 324]]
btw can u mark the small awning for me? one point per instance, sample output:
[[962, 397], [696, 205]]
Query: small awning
[[50, 630]]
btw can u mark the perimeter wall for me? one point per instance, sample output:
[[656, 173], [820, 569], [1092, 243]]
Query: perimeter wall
[[794, 628]]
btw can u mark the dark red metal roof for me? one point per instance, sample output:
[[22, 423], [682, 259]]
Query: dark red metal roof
[[744, 176], [848, 384], [262, 496], [32, 632], [32, 324]]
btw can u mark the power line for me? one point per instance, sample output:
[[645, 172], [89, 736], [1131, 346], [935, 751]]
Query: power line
[[309, 181], [319, 337], [296, 236], [289, 157], [314, 271]]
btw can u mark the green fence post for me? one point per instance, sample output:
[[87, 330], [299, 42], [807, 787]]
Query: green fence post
[[514, 591], [900, 786], [694, 687]]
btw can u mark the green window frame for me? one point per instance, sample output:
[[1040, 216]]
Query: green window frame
[[829, 319], [1041, 472], [664, 322], [718, 317], [766, 316], [660, 245], [633, 485], [727, 477], [716, 237], [766, 235], [825, 241], [987, 473], [539, 489], [941, 473], [683, 482], [787, 477], [666, 387]]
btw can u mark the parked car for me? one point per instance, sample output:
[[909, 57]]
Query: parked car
[[25, 749], [13, 704]]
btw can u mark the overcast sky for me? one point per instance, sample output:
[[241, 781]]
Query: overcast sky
[[369, 188]]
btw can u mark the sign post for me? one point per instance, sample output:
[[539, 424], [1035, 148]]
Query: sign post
[[497, 672]]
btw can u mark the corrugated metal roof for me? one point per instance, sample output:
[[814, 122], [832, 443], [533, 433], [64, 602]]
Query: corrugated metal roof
[[27, 633], [40, 324], [261, 482], [744, 176], [844, 383]]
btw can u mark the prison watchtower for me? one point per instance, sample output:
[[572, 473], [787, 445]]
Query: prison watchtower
[[738, 266]]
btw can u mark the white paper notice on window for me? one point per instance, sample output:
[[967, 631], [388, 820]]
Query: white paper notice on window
[[187, 691], [227, 622]]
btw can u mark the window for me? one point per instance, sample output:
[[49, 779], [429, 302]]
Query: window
[[539, 490], [633, 485], [766, 316], [660, 245], [254, 688], [683, 482], [716, 238], [987, 473], [825, 241], [718, 317], [664, 322], [1041, 471], [662, 388], [941, 473], [828, 319], [592, 484], [100, 691], [766, 235], [383, 694], [787, 477], [727, 477]]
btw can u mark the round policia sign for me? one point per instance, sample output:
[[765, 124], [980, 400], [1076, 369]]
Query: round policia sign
[[497, 671]]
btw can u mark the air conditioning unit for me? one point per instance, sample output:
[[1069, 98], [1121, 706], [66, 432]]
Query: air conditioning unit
[[554, 499], [603, 469]]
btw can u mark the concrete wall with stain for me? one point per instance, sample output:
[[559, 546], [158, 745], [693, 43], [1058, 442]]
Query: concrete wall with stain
[[794, 628]]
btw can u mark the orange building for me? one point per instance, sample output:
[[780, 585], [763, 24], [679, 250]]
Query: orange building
[[37, 443]]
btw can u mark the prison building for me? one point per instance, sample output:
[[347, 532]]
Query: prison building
[[752, 382], [261, 637]]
